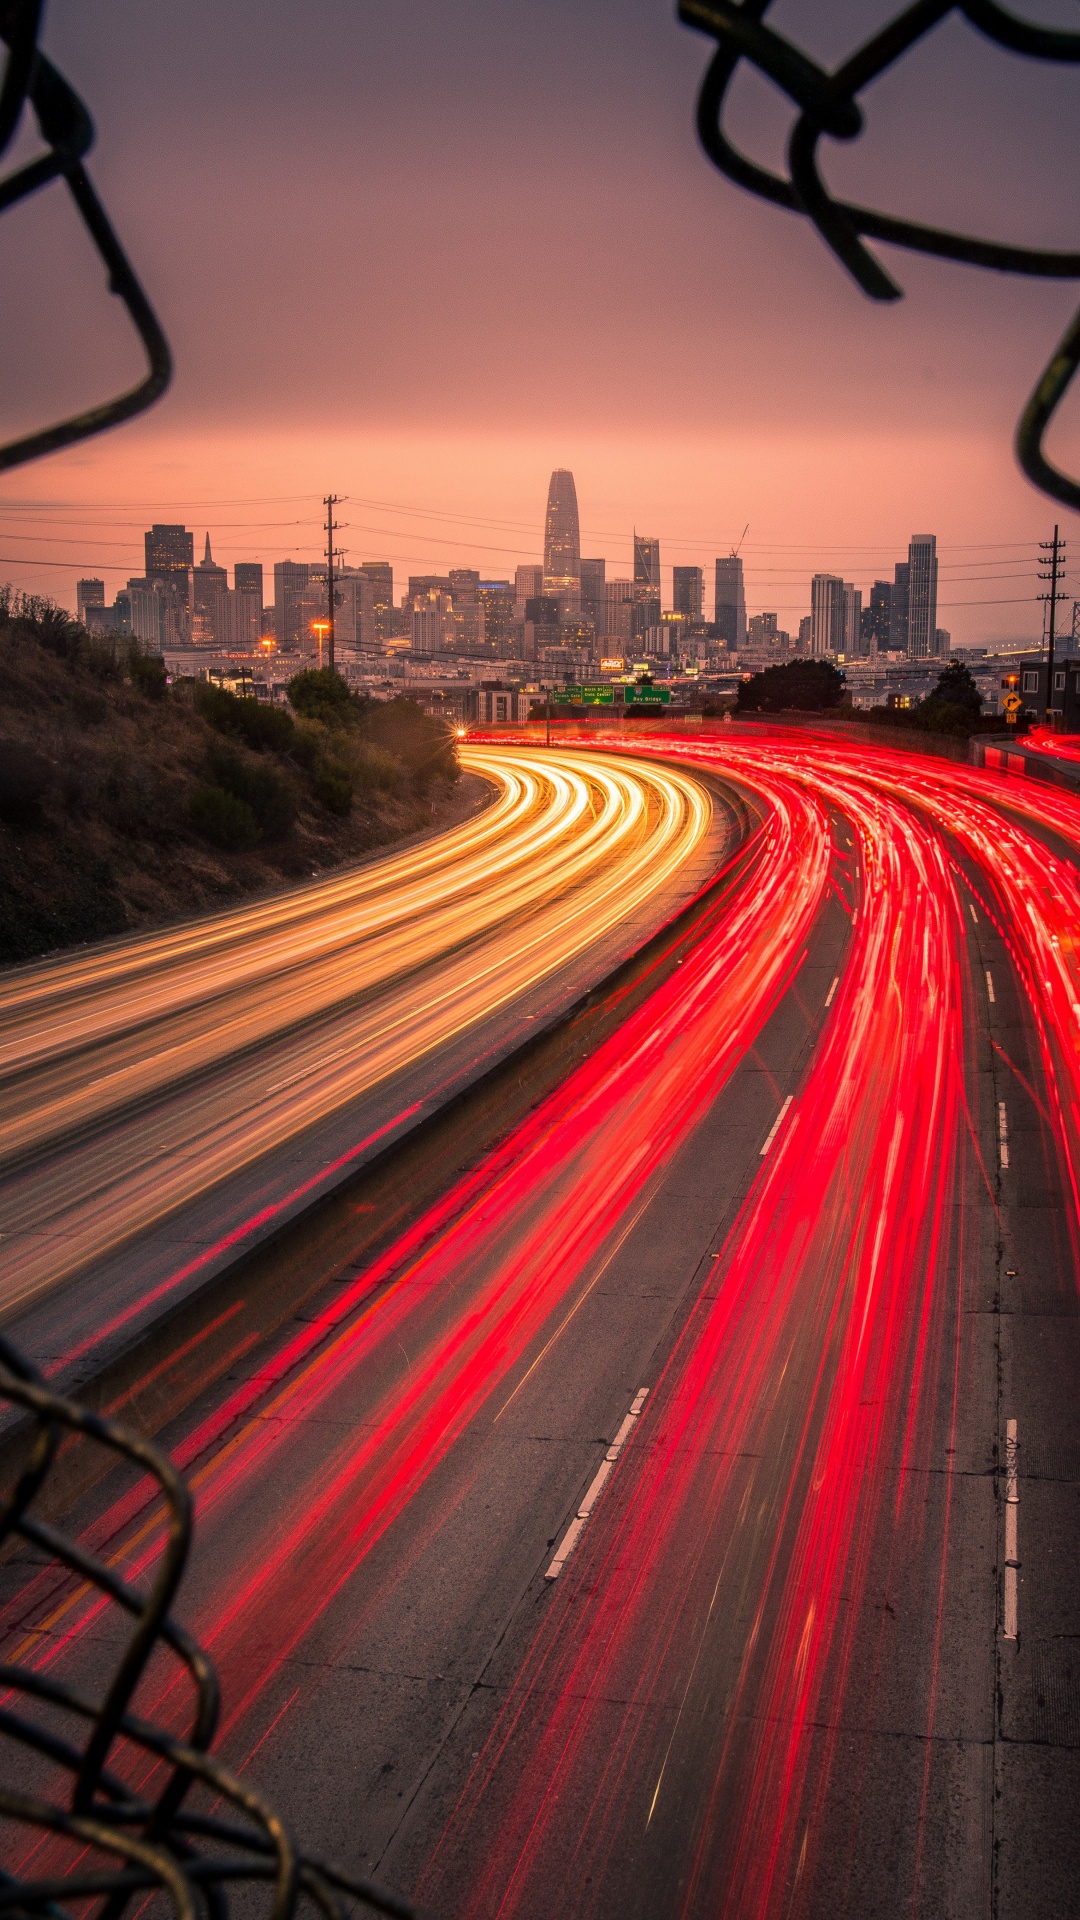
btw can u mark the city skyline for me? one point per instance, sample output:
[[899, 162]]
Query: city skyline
[[825, 422]]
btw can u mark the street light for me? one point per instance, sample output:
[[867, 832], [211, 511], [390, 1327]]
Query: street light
[[321, 627]]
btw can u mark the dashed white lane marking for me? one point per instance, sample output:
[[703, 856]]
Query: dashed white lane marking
[[973, 913], [596, 1487], [775, 1128], [832, 990], [1003, 1134], [990, 985], [1012, 1505]]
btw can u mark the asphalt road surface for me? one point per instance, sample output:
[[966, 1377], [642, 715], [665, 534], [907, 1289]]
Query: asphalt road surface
[[680, 1516], [144, 1079]]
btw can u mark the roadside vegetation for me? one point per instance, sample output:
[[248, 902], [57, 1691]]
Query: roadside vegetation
[[953, 708], [125, 801]]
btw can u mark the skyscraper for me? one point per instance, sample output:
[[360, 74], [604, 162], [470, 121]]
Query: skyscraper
[[826, 614], [170, 559], [593, 581], [646, 583], [248, 578], [562, 542], [464, 586], [922, 597], [496, 598], [618, 613], [170, 550], [688, 591], [730, 602], [290, 584], [877, 619], [89, 593], [852, 620], [898, 613], [528, 585], [210, 584], [376, 603]]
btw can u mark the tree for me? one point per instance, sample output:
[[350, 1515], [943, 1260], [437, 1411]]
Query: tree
[[320, 693], [805, 686], [957, 688]]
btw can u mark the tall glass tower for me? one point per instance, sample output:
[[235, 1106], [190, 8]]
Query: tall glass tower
[[562, 543], [922, 596]]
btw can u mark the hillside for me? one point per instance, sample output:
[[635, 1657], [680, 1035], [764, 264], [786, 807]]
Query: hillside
[[126, 802]]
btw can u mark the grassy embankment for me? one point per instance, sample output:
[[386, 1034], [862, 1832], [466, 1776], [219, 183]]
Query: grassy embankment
[[125, 802]]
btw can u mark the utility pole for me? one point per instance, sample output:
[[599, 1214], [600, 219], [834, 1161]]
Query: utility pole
[[1054, 549], [330, 502]]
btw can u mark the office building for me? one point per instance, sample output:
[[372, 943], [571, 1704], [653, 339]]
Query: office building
[[922, 597], [209, 585], [421, 584], [432, 622], [248, 578], [170, 560], [562, 543], [763, 633], [528, 585], [542, 630], [898, 613], [852, 621], [377, 618], [496, 601], [241, 613], [290, 585], [826, 614], [646, 584], [593, 580], [618, 614], [942, 649], [464, 589], [146, 613], [88, 593], [876, 623], [688, 592], [729, 606], [806, 628], [170, 552]]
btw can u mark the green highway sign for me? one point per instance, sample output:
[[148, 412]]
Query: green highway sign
[[585, 696], [648, 696]]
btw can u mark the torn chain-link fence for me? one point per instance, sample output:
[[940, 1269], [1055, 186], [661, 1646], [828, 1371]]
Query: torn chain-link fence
[[65, 127], [828, 106], [130, 1811]]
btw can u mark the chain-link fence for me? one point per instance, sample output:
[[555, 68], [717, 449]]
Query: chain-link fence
[[192, 1833], [828, 104], [67, 132]]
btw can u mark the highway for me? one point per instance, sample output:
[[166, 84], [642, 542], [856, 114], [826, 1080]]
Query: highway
[[139, 1077], [797, 1245]]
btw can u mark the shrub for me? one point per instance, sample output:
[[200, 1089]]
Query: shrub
[[259, 787], [223, 819], [333, 786], [320, 693], [422, 746], [24, 778], [255, 722], [373, 767], [805, 686], [148, 675]]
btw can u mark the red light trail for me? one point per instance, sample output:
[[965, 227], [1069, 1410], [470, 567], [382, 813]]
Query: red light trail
[[774, 1476]]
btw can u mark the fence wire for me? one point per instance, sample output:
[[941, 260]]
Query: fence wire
[[66, 1760], [828, 104], [29, 79]]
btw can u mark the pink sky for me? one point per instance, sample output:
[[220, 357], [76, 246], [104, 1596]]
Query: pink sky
[[430, 271]]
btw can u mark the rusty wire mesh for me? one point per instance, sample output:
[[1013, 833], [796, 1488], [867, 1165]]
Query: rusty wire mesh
[[828, 105], [64, 1757], [67, 132]]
